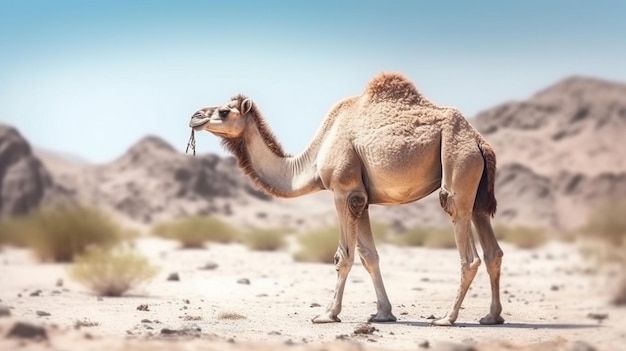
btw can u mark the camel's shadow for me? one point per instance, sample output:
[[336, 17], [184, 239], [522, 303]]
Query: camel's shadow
[[507, 325]]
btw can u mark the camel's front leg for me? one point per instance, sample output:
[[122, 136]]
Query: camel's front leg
[[349, 208], [369, 257]]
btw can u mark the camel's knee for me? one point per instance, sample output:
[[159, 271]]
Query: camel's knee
[[343, 259], [357, 203], [369, 258], [493, 256], [493, 260], [471, 266]]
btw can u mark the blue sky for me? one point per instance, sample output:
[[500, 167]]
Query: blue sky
[[90, 78]]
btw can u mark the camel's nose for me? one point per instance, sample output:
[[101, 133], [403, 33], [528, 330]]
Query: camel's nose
[[201, 117]]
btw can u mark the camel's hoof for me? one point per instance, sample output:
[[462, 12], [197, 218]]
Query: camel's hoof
[[443, 322], [326, 318], [382, 317], [489, 320]]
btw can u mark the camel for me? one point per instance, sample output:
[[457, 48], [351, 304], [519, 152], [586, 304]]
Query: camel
[[388, 146]]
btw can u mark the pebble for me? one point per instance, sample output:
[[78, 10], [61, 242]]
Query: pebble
[[209, 266], [143, 308], [364, 328], [27, 331], [4, 311]]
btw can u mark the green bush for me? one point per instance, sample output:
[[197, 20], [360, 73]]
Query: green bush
[[61, 232], [318, 245], [266, 239], [111, 272], [194, 232], [434, 238], [521, 236]]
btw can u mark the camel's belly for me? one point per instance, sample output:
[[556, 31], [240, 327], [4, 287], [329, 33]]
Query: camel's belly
[[385, 193], [405, 180]]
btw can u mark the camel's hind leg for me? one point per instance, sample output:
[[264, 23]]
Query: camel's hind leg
[[493, 260], [460, 178], [369, 257]]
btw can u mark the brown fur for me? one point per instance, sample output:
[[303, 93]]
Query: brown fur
[[394, 86], [237, 146], [485, 197]]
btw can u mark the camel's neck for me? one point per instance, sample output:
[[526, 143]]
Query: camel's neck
[[280, 175]]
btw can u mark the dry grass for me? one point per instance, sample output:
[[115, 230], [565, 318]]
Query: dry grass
[[434, 238], [266, 239], [111, 272], [191, 318], [230, 316], [606, 226], [195, 231], [85, 323], [318, 245], [59, 233], [521, 236]]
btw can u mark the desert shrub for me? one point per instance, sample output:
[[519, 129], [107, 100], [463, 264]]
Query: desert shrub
[[194, 232], [12, 231], [440, 238], [111, 272], [266, 239], [318, 245], [608, 222], [436, 238], [606, 227], [412, 237], [521, 236], [61, 232], [380, 231]]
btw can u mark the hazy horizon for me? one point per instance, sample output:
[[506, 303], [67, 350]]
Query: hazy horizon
[[92, 78]]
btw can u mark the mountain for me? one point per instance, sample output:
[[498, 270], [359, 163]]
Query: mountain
[[152, 181]]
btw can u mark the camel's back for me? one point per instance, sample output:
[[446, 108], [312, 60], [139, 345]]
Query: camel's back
[[390, 103]]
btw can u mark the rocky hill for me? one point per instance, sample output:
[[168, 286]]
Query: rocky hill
[[152, 181], [24, 181], [559, 155], [560, 152]]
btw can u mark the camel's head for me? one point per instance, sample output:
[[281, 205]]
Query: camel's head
[[227, 121]]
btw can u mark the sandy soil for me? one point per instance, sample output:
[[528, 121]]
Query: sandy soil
[[548, 295]]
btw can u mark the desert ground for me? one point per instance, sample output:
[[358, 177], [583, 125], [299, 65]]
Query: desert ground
[[552, 300]]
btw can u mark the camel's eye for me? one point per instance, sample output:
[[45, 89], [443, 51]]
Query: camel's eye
[[223, 113]]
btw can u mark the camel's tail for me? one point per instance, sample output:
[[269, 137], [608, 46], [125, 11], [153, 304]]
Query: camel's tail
[[485, 196]]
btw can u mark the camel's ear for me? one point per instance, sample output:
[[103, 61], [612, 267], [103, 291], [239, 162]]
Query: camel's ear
[[246, 106]]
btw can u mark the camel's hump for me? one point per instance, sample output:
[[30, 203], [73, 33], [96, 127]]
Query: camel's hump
[[392, 86]]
